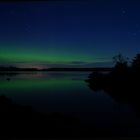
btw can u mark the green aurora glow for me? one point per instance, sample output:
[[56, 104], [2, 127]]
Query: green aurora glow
[[26, 55], [68, 34]]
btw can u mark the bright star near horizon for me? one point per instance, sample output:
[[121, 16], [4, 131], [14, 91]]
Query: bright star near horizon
[[123, 11]]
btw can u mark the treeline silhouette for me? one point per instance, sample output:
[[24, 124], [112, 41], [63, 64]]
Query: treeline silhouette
[[122, 83], [79, 69], [12, 69]]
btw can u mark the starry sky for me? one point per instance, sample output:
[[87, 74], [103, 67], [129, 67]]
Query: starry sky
[[68, 33]]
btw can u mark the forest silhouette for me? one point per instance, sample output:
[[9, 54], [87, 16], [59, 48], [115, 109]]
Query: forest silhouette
[[121, 83]]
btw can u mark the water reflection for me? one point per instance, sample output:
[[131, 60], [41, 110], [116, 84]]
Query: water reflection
[[68, 93]]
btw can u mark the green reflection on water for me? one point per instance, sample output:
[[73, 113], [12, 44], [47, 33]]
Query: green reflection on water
[[34, 84]]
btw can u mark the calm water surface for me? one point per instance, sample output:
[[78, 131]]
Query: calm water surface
[[68, 93]]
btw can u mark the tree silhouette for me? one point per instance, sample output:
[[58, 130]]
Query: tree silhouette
[[121, 65], [136, 63], [122, 83]]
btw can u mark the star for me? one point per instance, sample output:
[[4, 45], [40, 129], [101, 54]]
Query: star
[[123, 11], [134, 34]]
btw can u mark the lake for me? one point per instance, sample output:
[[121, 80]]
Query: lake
[[68, 93]]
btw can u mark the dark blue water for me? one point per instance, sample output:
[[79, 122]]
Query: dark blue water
[[68, 93]]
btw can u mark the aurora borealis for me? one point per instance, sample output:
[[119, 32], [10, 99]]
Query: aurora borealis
[[68, 33]]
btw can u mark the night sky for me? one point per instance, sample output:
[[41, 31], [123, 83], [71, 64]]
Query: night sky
[[68, 33]]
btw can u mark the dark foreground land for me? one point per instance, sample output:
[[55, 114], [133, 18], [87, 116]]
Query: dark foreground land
[[23, 122]]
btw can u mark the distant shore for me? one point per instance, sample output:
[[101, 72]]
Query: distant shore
[[13, 69]]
